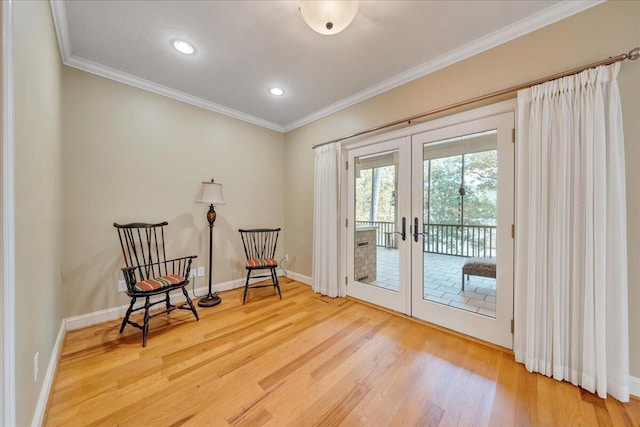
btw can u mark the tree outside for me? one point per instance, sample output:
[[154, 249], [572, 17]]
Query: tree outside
[[444, 202], [375, 194], [458, 190]]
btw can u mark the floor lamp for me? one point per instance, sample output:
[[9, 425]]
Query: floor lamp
[[211, 194]]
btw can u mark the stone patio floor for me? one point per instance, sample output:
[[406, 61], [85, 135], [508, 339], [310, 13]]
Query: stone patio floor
[[442, 281]]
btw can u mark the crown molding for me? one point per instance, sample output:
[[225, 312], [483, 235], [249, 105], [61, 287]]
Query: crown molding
[[541, 19], [61, 24], [131, 80], [59, 11], [534, 22]]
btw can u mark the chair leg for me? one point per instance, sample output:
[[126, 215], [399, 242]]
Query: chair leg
[[167, 301], [246, 287], [145, 327], [276, 284], [126, 316], [463, 281], [193, 308]]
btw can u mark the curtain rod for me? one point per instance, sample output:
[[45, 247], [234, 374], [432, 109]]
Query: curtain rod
[[632, 55]]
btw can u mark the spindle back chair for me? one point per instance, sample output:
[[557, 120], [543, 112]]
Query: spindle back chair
[[260, 251], [148, 272]]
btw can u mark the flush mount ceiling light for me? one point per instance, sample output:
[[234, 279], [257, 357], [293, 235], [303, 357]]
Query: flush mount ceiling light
[[183, 47], [328, 17], [276, 91]]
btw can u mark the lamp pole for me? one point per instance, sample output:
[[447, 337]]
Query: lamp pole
[[211, 299]]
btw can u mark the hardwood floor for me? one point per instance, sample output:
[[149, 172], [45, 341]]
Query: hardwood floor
[[305, 360]]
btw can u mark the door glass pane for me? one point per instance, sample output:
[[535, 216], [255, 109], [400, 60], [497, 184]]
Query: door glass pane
[[460, 178], [376, 260]]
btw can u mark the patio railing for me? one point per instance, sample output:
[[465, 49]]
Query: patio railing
[[448, 239], [460, 240]]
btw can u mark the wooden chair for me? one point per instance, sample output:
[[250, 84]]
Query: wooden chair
[[260, 250], [149, 273]]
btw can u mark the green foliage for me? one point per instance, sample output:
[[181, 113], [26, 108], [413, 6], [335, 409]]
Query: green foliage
[[443, 181], [442, 190], [481, 188], [363, 195], [443, 204], [375, 194]]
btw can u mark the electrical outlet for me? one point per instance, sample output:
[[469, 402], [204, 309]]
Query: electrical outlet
[[286, 257], [36, 363], [200, 271], [192, 273], [122, 286]]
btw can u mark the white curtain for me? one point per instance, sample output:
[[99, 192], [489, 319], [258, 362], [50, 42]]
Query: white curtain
[[571, 301], [325, 221]]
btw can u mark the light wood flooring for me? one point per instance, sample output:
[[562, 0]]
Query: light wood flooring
[[306, 360]]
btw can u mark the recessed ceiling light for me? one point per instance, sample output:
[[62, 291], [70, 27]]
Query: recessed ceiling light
[[183, 47], [276, 91]]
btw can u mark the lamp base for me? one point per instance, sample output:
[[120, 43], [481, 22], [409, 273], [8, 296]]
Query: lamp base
[[209, 301]]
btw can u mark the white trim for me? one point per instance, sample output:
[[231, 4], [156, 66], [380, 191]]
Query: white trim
[[300, 278], [101, 316], [47, 382], [95, 318], [225, 286], [7, 347], [539, 20], [148, 85], [61, 24], [634, 386], [532, 23], [113, 313]]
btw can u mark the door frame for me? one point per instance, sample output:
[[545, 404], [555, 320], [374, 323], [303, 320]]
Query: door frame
[[7, 230], [450, 120]]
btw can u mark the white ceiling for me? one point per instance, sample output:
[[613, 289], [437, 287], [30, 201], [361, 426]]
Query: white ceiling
[[243, 48]]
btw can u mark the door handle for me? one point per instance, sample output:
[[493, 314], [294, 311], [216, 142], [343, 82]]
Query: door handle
[[415, 229], [404, 229]]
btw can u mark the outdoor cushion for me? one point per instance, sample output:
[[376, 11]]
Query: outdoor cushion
[[485, 267], [261, 262], [158, 282]]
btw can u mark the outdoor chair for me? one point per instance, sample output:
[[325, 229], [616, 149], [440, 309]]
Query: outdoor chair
[[148, 272], [260, 250]]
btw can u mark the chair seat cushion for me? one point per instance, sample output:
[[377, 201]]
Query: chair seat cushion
[[261, 262], [158, 283]]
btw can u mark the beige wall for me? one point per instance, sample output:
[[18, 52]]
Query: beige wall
[[602, 31], [38, 200], [131, 155]]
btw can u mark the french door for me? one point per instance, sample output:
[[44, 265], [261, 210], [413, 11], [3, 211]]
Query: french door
[[425, 207], [378, 236]]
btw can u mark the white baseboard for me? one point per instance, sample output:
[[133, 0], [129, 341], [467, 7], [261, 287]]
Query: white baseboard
[[109, 314], [300, 278], [101, 316], [634, 386], [47, 382]]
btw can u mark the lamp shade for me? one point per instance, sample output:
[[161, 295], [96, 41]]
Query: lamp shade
[[211, 194], [328, 17]]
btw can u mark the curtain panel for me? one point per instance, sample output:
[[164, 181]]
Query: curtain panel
[[326, 208], [571, 301]]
